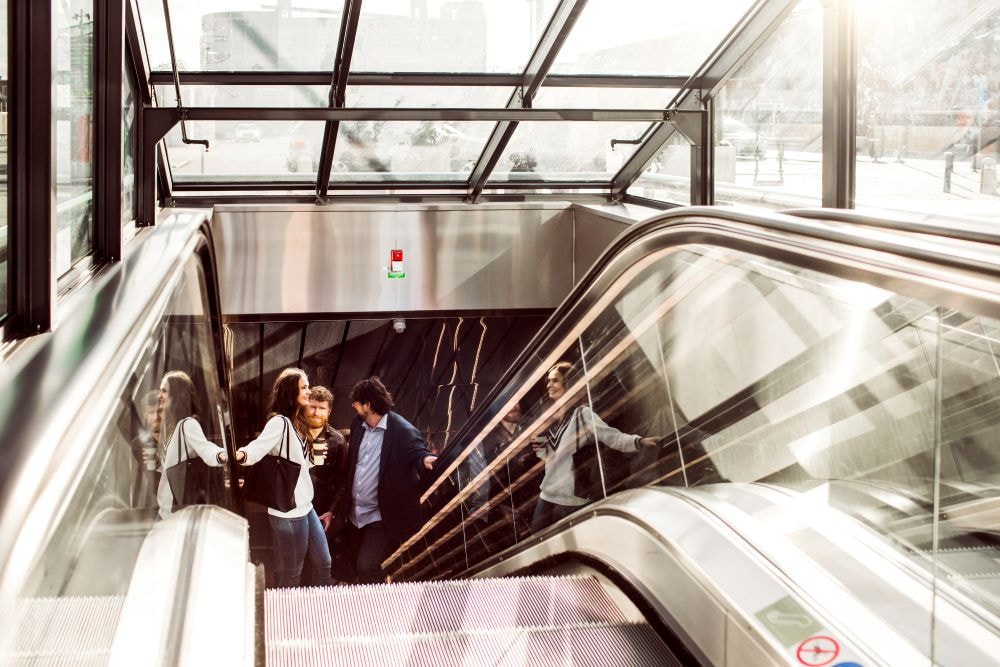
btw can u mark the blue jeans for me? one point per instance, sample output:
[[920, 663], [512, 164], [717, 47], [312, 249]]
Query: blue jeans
[[294, 541]]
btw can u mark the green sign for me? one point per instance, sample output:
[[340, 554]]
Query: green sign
[[396, 274], [788, 621]]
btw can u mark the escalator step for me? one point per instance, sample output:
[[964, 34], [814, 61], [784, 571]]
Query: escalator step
[[604, 645], [312, 614], [51, 631]]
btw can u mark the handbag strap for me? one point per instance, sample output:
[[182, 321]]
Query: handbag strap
[[182, 440], [288, 440], [284, 439]]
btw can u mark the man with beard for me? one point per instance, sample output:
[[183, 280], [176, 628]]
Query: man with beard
[[329, 458]]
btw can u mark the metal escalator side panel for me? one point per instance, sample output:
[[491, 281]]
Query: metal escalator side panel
[[706, 583], [190, 601], [851, 568]]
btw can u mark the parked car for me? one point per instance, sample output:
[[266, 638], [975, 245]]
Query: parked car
[[247, 132]]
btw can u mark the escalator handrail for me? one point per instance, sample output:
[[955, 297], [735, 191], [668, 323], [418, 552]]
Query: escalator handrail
[[64, 386], [962, 274], [973, 231]]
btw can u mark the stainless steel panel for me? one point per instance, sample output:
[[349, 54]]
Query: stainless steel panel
[[332, 259], [597, 226]]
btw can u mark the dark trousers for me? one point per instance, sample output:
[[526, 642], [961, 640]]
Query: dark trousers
[[547, 513], [369, 546]]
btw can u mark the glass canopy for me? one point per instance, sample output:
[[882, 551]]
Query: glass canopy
[[566, 96]]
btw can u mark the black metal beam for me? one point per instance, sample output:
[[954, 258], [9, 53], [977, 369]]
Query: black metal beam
[[109, 67], [163, 173], [396, 114], [338, 92], [753, 29], [563, 19], [208, 200], [295, 78], [156, 123], [137, 51], [180, 189], [31, 279]]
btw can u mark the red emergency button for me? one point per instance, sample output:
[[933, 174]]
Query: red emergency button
[[397, 256]]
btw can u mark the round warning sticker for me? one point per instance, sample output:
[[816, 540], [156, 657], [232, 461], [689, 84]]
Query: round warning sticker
[[817, 651]]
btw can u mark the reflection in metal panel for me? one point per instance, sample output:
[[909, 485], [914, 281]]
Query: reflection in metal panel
[[334, 260]]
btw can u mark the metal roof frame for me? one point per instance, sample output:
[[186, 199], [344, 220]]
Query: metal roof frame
[[322, 78], [350, 18], [760, 21], [688, 113], [563, 19]]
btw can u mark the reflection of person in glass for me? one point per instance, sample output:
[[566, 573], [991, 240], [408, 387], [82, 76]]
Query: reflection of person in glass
[[572, 427], [145, 449], [297, 535], [503, 478], [181, 433]]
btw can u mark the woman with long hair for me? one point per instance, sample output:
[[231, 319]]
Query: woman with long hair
[[181, 436], [296, 534]]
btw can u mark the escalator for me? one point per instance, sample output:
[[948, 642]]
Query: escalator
[[818, 483]]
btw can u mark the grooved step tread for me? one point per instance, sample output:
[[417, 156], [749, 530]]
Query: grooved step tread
[[60, 631], [323, 614], [603, 645], [567, 620]]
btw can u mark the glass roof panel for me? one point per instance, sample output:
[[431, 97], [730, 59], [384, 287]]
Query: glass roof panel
[[448, 35], [244, 96], [242, 151], [646, 36], [560, 97], [427, 96], [243, 35], [554, 151], [409, 151]]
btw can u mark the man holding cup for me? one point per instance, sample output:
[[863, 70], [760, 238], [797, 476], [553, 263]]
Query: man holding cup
[[329, 458]]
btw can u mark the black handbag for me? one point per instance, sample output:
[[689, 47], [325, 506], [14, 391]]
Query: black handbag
[[587, 469], [191, 480], [271, 481]]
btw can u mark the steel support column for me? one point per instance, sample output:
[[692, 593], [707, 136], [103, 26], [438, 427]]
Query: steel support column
[[338, 93], [760, 21], [109, 50], [31, 275], [563, 19], [840, 74], [703, 160]]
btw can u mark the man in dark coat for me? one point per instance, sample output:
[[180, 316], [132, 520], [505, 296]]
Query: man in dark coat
[[385, 458]]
